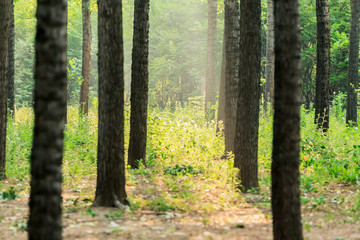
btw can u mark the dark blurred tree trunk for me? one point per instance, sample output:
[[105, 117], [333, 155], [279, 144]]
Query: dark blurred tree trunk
[[5, 6], [322, 101], [11, 89], [50, 103], [232, 33], [139, 84], [86, 57], [270, 55], [210, 93], [247, 114], [110, 185], [353, 75], [221, 107], [286, 142]]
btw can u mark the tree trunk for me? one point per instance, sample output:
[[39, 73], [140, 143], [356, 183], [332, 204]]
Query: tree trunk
[[5, 6], [50, 103], [221, 107], [323, 65], [247, 114], [286, 142], [139, 84], [232, 31], [11, 89], [110, 185], [270, 55], [353, 75], [211, 61], [86, 57]]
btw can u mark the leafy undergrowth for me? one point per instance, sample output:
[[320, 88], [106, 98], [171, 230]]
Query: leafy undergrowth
[[186, 173]]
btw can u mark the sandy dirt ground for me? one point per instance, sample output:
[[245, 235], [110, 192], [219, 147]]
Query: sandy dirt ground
[[86, 223]]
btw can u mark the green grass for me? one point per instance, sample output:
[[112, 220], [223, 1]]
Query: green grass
[[9, 194], [184, 152]]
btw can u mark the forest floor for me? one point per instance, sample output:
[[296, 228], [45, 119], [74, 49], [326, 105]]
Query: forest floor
[[188, 191], [244, 220]]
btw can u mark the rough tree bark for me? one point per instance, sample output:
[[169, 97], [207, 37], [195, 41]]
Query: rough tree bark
[[353, 74], [139, 84], [11, 67], [50, 103], [322, 102], [110, 185], [86, 57], [247, 114], [5, 6], [210, 93], [232, 33], [286, 142], [270, 55]]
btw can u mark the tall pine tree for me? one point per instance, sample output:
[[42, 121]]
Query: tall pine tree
[[322, 101], [139, 84], [5, 6], [86, 57], [353, 75], [50, 104], [11, 68], [110, 184], [210, 93], [285, 174], [247, 114], [232, 41]]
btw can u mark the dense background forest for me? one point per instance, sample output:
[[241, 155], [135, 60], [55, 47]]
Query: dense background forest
[[178, 49], [188, 184]]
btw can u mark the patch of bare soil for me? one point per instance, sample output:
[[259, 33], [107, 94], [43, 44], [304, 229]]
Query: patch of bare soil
[[81, 222], [104, 223]]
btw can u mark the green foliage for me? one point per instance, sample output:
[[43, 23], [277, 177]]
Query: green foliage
[[25, 23], [74, 80], [181, 143], [80, 145], [21, 226], [24, 51], [90, 212], [160, 205], [114, 215], [141, 170], [178, 32], [240, 225], [340, 30], [182, 170], [338, 106], [332, 156], [18, 144], [9, 194]]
